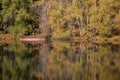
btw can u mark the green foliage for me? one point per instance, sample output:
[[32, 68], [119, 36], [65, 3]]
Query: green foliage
[[17, 16]]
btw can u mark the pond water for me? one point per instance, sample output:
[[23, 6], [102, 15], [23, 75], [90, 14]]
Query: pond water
[[59, 60]]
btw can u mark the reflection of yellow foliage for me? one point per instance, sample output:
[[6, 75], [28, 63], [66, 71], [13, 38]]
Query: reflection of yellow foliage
[[38, 75], [98, 63]]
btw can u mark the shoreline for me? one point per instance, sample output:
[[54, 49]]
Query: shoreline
[[7, 38]]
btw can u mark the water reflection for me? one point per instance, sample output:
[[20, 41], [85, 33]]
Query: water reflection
[[59, 60]]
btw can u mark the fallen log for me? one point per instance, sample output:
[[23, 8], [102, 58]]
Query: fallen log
[[33, 38]]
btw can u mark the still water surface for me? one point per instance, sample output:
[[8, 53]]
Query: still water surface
[[59, 60]]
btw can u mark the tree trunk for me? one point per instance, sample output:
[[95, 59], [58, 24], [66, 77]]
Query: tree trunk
[[43, 18]]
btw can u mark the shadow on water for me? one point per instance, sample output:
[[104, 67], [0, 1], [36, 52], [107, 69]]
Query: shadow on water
[[59, 60]]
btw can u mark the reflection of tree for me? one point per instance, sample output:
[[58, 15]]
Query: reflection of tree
[[40, 61], [65, 61], [17, 63], [40, 72], [82, 62]]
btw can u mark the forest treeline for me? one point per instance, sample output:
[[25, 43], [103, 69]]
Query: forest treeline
[[65, 18]]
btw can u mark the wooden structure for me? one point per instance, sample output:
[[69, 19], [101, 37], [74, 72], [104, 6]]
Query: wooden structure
[[33, 39]]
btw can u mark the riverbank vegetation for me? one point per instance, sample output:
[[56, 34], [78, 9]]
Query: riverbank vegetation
[[74, 19]]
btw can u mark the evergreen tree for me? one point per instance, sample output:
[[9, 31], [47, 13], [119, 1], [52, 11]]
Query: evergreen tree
[[17, 15]]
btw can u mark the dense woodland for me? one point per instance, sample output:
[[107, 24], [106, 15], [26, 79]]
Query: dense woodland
[[85, 20], [60, 18]]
